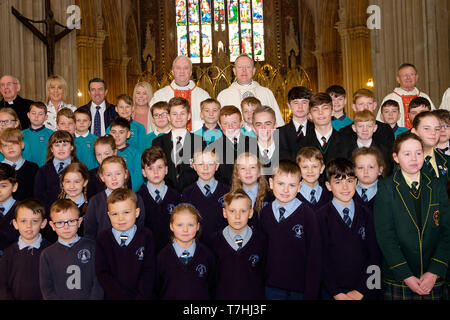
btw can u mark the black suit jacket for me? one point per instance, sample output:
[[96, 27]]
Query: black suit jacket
[[387, 154], [21, 106], [337, 146], [185, 175], [227, 154], [109, 116], [383, 136], [290, 144]]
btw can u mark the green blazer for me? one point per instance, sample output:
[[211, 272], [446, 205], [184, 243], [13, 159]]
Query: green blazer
[[407, 250], [442, 162]]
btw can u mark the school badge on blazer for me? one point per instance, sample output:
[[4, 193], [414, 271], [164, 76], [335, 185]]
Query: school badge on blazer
[[362, 233], [221, 201], [201, 269], [84, 255], [254, 258], [436, 217], [170, 208], [298, 229], [442, 170], [140, 253]]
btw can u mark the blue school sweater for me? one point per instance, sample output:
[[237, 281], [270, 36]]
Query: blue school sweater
[[148, 141], [157, 216], [137, 135], [126, 273], [61, 267], [211, 208], [133, 159], [178, 281], [240, 274], [19, 273], [46, 185], [96, 218], [8, 234], [341, 122], [347, 252], [36, 141], [25, 178], [85, 150], [294, 251]]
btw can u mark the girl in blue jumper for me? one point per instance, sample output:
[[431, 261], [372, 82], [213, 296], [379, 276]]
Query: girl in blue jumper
[[185, 268], [61, 152]]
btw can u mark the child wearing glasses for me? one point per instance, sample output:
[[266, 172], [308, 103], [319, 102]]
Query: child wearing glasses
[[160, 118], [67, 268]]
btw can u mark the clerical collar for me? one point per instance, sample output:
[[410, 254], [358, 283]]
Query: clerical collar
[[178, 87]]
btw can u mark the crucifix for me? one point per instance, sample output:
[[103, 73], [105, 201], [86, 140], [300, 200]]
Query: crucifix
[[50, 37]]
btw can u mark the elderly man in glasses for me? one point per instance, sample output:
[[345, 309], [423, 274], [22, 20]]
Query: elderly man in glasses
[[9, 89]]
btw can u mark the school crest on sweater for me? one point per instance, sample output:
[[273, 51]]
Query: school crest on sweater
[[298, 230], [254, 259], [84, 255], [201, 269]]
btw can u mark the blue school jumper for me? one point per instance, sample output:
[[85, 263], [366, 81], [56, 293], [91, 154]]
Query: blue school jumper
[[209, 135], [157, 216], [133, 160], [294, 251], [36, 141], [176, 280], [128, 272], [347, 251], [85, 150], [96, 218], [341, 122], [19, 272], [210, 208], [137, 135], [148, 141], [240, 274]]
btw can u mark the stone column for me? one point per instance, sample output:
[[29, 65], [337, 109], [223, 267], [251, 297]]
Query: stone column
[[356, 49], [417, 32]]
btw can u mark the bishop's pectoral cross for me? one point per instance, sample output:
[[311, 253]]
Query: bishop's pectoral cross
[[50, 37]]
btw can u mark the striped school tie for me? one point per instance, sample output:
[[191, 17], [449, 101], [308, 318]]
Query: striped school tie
[[61, 168], [347, 219], [185, 257], [364, 195], [208, 190], [123, 239], [282, 212], [158, 197], [239, 241], [313, 199], [414, 189]]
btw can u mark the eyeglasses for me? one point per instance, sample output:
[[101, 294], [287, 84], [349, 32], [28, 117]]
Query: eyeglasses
[[61, 224], [160, 115], [3, 122], [8, 84]]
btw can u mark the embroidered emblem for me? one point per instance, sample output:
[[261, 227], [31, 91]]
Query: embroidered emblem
[[298, 229], [362, 233], [436, 217], [140, 253], [84, 255], [254, 258], [442, 170], [170, 208], [201, 269], [221, 201]]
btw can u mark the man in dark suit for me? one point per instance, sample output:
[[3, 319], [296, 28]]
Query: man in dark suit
[[363, 99], [232, 143], [292, 136], [9, 89], [102, 112], [179, 146]]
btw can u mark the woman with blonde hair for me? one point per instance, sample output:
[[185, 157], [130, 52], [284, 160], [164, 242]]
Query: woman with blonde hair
[[142, 95], [56, 94]]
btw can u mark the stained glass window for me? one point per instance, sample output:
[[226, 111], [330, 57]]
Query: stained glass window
[[198, 20]]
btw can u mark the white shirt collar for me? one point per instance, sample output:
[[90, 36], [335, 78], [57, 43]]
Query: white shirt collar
[[327, 136]]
